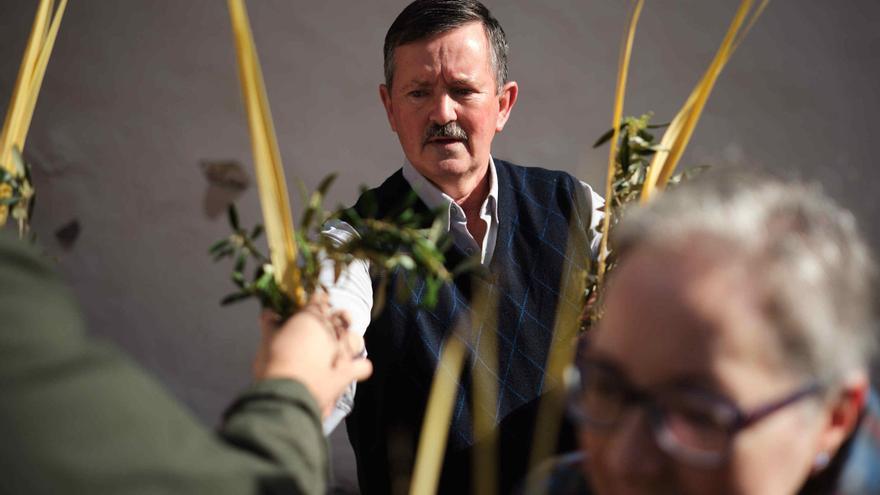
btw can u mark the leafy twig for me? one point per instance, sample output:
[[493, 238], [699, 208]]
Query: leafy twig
[[636, 149], [398, 243], [17, 193]]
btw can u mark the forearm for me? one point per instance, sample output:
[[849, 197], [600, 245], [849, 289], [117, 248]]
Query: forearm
[[278, 421], [77, 416]]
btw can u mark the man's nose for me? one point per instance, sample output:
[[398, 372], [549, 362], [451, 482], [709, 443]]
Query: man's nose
[[443, 109], [631, 450]]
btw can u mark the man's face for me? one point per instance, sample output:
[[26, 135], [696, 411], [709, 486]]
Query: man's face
[[447, 80]]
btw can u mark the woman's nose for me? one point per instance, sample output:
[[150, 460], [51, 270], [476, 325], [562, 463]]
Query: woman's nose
[[631, 451]]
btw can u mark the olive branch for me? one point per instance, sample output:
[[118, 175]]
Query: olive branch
[[635, 152], [17, 193], [399, 243]]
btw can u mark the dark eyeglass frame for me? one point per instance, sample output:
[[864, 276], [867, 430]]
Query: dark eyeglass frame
[[736, 419]]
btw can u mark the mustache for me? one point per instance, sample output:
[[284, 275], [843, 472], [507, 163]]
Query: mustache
[[448, 130]]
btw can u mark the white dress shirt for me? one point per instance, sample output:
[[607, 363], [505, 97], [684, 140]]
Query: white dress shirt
[[353, 291]]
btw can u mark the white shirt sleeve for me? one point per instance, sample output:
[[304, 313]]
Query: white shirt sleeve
[[352, 292], [597, 204]]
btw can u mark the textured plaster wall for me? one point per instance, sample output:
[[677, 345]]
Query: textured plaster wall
[[140, 93]]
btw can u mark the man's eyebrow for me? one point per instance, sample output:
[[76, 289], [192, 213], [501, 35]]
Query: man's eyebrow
[[416, 83], [464, 81]]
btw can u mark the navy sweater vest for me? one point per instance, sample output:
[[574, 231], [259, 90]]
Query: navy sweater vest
[[404, 342]]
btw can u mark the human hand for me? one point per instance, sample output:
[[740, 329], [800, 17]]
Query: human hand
[[314, 347]]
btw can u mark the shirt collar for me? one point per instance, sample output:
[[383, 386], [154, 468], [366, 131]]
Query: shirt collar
[[435, 199]]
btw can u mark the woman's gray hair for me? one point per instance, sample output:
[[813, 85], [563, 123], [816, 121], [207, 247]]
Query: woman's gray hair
[[812, 268]]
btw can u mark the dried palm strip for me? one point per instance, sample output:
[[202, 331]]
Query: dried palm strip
[[27, 88], [21, 91], [681, 129], [438, 415], [38, 74], [742, 34], [485, 389], [617, 117], [562, 349], [435, 427], [274, 199]]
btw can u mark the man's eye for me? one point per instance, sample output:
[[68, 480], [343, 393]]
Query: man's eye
[[463, 92], [417, 93]]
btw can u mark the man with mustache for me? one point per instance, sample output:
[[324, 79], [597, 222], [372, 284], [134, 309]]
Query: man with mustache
[[446, 95]]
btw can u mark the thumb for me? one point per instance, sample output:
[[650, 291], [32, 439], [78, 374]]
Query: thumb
[[361, 369], [355, 343], [349, 370]]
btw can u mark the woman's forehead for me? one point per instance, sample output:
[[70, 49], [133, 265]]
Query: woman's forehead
[[668, 316]]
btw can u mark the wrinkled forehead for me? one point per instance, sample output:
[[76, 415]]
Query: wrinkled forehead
[[464, 49]]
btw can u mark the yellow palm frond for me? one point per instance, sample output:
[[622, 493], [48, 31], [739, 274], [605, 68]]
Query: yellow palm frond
[[678, 135], [485, 388], [274, 199], [483, 320], [561, 354], [39, 73], [27, 88], [619, 95], [438, 417]]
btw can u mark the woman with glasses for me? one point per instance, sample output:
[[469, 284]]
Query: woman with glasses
[[734, 350]]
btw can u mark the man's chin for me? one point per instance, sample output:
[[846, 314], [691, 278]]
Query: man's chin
[[452, 166]]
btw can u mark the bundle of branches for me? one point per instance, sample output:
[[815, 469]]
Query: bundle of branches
[[636, 149], [397, 243], [17, 193], [637, 167]]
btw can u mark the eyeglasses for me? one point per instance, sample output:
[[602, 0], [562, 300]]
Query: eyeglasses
[[690, 425]]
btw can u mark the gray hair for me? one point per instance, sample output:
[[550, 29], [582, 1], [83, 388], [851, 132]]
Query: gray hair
[[423, 19], [804, 253]]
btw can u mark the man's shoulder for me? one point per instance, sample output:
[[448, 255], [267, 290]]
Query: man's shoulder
[[394, 183], [530, 187], [520, 175], [540, 183], [386, 200]]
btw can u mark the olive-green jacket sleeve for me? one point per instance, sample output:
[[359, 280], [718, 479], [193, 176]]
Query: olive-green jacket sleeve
[[77, 416]]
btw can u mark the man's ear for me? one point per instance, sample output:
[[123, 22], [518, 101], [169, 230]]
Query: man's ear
[[506, 101], [385, 95], [844, 413]]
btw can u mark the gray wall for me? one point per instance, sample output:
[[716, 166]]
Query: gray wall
[[139, 93]]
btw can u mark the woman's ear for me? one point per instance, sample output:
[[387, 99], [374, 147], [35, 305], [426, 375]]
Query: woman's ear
[[844, 413]]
